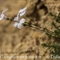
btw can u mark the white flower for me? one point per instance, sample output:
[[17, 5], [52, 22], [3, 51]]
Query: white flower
[[2, 16], [19, 24], [20, 13], [15, 24], [19, 21], [17, 18], [22, 20]]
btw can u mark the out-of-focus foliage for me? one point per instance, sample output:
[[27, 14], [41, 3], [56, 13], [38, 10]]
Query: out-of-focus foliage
[[54, 48]]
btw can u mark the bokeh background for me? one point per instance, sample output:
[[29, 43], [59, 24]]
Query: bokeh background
[[27, 41]]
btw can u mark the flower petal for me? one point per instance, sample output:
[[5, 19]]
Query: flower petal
[[22, 10], [19, 26], [15, 24], [1, 18], [4, 10], [16, 18], [3, 15], [21, 14], [22, 20]]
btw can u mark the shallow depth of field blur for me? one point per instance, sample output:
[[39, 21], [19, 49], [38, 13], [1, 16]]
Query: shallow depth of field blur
[[28, 39]]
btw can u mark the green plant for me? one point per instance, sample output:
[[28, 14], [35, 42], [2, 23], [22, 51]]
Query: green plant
[[56, 32], [54, 48]]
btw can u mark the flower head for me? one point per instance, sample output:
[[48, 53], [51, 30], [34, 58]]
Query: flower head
[[3, 16], [19, 21], [20, 13]]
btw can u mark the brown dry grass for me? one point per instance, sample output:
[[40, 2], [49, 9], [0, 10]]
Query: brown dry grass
[[25, 41]]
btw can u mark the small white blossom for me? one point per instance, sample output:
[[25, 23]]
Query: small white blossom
[[15, 24], [19, 24], [22, 20], [22, 11], [3, 16], [19, 21], [16, 18]]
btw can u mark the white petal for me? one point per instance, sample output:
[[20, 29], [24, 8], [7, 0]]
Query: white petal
[[22, 20], [21, 14], [15, 24], [4, 10], [1, 18], [22, 10], [2, 15], [16, 19], [19, 26]]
